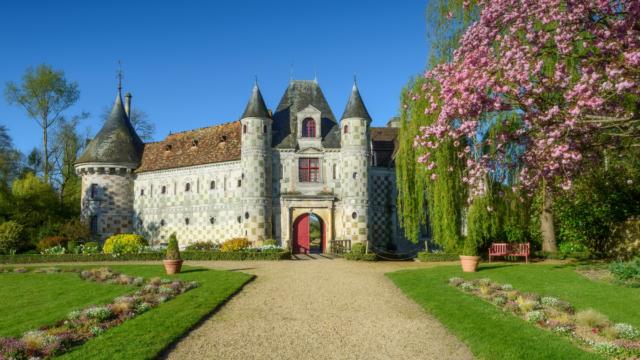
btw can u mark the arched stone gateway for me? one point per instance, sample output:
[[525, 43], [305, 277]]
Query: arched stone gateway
[[309, 234]]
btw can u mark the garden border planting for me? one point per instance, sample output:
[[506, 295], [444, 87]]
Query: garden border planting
[[186, 255], [82, 325], [437, 257]]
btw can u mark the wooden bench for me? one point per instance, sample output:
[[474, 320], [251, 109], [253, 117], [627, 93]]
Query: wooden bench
[[505, 249]]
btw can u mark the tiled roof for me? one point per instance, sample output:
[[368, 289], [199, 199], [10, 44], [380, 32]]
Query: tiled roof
[[384, 145], [384, 133], [208, 145]]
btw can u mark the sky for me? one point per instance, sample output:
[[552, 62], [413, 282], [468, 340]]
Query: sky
[[192, 64]]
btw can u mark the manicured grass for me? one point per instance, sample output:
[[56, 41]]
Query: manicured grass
[[147, 335], [492, 334], [31, 300]]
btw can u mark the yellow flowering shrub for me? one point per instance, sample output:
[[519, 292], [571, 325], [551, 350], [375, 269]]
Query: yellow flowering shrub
[[235, 244], [124, 244]]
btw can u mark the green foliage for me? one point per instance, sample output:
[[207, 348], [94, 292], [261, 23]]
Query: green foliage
[[10, 236], [270, 242], [75, 230], [51, 241], [599, 201], [482, 225], [627, 273], [626, 237], [173, 251], [418, 196], [90, 247], [437, 257], [358, 248], [124, 244], [202, 246]]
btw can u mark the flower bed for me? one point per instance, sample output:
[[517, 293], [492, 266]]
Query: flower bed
[[588, 328], [186, 255], [82, 325]]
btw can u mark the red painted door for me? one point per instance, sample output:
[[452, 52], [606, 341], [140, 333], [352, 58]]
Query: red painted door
[[301, 235]]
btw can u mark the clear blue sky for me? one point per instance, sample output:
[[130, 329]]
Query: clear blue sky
[[191, 64]]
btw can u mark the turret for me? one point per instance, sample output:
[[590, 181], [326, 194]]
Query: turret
[[106, 168], [256, 169], [355, 152]]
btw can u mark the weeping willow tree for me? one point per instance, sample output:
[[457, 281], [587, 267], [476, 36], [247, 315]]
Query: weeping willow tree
[[435, 198]]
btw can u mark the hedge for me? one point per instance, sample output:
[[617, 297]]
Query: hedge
[[433, 257], [186, 255], [360, 257]]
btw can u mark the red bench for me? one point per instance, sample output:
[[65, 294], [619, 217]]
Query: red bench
[[505, 249]]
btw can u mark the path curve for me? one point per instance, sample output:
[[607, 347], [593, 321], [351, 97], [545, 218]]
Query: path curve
[[319, 309]]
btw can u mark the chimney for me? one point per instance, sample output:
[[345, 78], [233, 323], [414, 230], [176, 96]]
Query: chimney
[[127, 104]]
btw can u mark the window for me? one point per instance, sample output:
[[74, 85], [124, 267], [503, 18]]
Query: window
[[346, 129], [264, 129], [239, 219], [239, 183], [212, 185], [163, 190], [309, 128], [162, 223], [186, 221], [354, 215], [244, 129], [335, 172], [94, 224], [187, 187], [308, 170], [94, 191], [246, 215], [212, 220], [141, 192]]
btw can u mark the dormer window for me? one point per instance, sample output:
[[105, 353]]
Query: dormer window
[[194, 143], [167, 147], [309, 128]]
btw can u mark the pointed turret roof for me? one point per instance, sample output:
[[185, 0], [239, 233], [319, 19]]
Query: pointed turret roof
[[355, 107], [117, 142], [256, 106]]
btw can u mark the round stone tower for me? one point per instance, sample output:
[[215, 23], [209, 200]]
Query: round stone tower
[[256, 169], [106, 168], [355, 152]]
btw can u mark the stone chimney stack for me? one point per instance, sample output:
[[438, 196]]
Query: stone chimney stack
[[127, 105]]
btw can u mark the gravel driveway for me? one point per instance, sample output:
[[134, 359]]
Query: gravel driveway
[[319, 309]]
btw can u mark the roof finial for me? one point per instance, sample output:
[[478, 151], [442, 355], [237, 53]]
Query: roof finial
[[255, 83], [291, 72], [119, 75], [315, 74]]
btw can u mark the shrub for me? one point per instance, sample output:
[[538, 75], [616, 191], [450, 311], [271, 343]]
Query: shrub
[[202, 246], [56, 250], [270, 242], [124, 244], [435, 257], [76, 230], [592, 319], [90, 248], [10, 236], [535, 316], [173, 251], [235, 244], [51, 241], [626, 237], [360, 256], [627, 273], [358, 248]]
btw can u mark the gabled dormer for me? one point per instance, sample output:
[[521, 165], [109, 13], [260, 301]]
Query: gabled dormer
[[309, 122]]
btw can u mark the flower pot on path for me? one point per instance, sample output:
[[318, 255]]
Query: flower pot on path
[[469, 263], [172, 266]]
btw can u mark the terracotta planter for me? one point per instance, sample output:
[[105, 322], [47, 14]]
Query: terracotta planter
[[172, 266], [469, 263]]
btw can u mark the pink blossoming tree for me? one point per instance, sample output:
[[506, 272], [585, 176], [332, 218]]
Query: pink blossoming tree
[[531, 86]]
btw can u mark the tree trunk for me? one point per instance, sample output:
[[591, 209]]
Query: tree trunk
[[546, 222], [45, 160]]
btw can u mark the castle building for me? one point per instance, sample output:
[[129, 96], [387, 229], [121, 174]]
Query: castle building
[[296, 175]]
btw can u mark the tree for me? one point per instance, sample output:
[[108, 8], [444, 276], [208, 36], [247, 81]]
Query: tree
[[9, 158], [44, 93], [144, 127], [547, 76], [34, 206], [66, 148]]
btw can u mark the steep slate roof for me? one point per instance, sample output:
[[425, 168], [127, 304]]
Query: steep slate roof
[[255, 106], [195, 147], [117, 141], [355, 107], [299, 95]]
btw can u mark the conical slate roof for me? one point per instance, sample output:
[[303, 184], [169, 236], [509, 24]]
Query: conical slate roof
[[299, 95], [355, 107], [256, 107], [117, 141]]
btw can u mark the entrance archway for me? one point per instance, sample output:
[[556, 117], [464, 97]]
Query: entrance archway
[[308, 234]]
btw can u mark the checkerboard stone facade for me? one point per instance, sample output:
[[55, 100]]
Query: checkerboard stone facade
[[216, 183]]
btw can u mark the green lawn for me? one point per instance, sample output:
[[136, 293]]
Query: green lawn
[[31, 300], [492, 334], [143, 337]]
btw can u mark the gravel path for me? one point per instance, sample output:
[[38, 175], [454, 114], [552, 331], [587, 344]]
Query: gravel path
[[319, 309]]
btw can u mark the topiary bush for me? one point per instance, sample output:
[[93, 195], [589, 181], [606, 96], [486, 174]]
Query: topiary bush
[[11, 234], [51, 241], [124, 244], [235, 244], [173, 251]]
